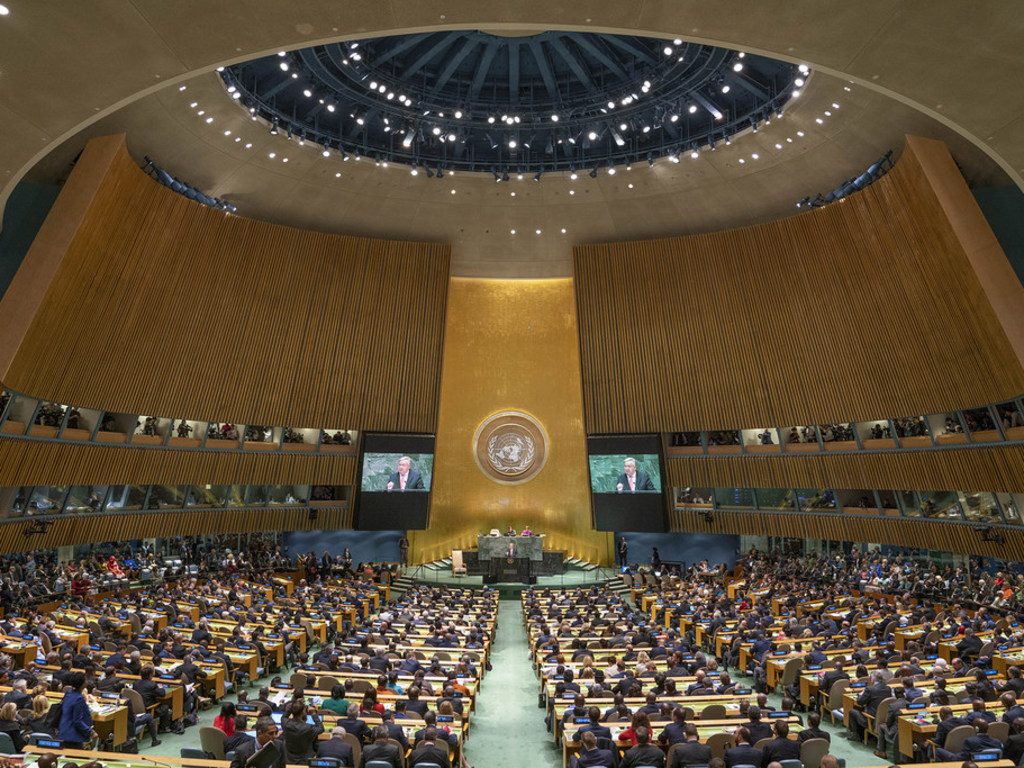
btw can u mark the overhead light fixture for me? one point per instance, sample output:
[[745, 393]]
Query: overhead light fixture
[[692, 109], [536, 176], [737, 67], [593, 172], [284, 66], [458, 114], [694, 154], [667, 50], [554, 118], [4, 10], [273, 127], [592, 135], [512, 144], [409, 135], [726, 88]]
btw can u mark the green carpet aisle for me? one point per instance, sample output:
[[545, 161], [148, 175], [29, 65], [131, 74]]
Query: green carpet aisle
[[508, 728]]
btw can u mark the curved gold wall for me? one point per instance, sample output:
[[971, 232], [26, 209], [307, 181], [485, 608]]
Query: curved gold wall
[[162, 306], [869, 308], [511, 344]]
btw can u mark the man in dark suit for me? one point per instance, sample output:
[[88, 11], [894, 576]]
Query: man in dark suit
[[868, 702], [380, 749], [758, 730], [1014, 748], [781, 747], [336, 747], [742, 753], [19, 695], [947, 722], [352, 724], [970, 645], [813, 730], [266, 733], [395, 731], [594, 726], [240, 737], [644, 753], [632, 480], [690, 751], [675, 732], [405, 478], [429, 751], [592, 757], [832, 676], [152, 695]]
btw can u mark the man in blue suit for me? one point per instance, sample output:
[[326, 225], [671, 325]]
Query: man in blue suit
[[405, 478], [591, 756]]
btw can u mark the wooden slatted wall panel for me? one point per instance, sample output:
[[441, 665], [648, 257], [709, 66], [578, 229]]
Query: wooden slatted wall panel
[[864, 309], [25, 462], [83, 529], [996, 468], [927, 534], [163, 306]]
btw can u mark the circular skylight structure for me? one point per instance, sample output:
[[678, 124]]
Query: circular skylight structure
[[469, 100]]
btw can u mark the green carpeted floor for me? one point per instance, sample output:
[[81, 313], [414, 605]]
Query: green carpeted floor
[[508, 726]]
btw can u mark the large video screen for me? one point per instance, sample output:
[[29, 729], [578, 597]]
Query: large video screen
[[625, 482], [396, 473]]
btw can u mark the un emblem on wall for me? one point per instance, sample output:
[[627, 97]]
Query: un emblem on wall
[[510, 447]]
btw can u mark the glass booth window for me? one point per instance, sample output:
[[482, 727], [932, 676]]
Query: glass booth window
[[85, 498], [811, 498], [166, 497], [735, 497], [774, 498], [204, 496], [288, 494], [47, 500], [837, 433], [981, 507], [940, 504], [911, 426], [125, 497]]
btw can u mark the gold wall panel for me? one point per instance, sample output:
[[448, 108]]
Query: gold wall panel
[[90, 529], [511, 345], [927, 534], [994, 468], [166, 307], [31, 462], [864, 309]]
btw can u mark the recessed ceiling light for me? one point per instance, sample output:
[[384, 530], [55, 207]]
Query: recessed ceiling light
[[737, 67], [307, 93], [778, 146], [726, 89], [796, 94], [754, 156], [554, 118], [592, 136], [337, 175], [573, 176], [194, 104], [182, 87], [572, 191], [537, 231], [630, 185], [209, 119], [819, 121], [238, 139], [453, 191], [511, 231], [272, 155], [284, 159], [248, 145], [227, 133], [201, 112], [284, 66], [667, 50], [800, 133], [4, 10], [513, 194], [519, 176], [742, 161], [563, 230], [458, 112]]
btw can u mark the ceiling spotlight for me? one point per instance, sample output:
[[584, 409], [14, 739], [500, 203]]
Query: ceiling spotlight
[[573, 176], [611, 170], [754, 156], [511, 231], [414, 171], [381, 88], [592, 135], [647, 129], [677, 41], [409, 135], [272, 155], [326, 152], [512, 144], [273, 127], [623, 127], [284, 66], [4, 10], [804, 69], [331, 108], [611, 105], [307, 93], [695, 154], [458, 114], [519, 176], [183, 87], [452, 137], [436, 131], [209, 119], [281, 53], [572, 191], [692, 108], [674, 118], [554, 118], [667, 50], [453, 191], [796, 94], [726, 88], [537, 231], [737, 67], [799, 82]]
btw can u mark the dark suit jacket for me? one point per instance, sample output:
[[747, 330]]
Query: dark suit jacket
[[386, 752], [673, 734], [414, 482], [357, 728], [744, 754], [977, 743], [1014, 748], [599, 731], [872, 696], [759, 730], [690, 753], [430, 753], [780, 749], [643, 482], [943, 728], [813, 733], [335, 748], [247, 750], [643, 754], [596, 758]]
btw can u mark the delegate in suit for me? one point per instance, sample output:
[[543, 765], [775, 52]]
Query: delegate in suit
[[405, 478], [632, 480]]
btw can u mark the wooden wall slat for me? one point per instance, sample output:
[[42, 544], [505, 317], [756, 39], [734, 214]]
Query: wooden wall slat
[[28, 462], [85, 529], [998, 468], [926, 534], [864, 309], [165, 307]]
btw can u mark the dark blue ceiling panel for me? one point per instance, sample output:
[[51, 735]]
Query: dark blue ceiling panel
[[469, 100]]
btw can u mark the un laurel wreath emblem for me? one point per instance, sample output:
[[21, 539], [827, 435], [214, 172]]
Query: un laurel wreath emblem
[[510, 447]]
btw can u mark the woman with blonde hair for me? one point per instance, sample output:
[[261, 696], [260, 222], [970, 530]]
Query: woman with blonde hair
[[40, 709], [10, 724]]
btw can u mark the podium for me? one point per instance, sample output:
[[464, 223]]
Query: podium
[[498, 567]]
